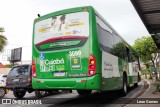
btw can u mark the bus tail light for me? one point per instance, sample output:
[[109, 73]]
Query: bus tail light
[[34, 69], [92, 65]]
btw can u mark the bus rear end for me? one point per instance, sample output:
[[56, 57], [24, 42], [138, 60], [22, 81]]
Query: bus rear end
[[62, 56]]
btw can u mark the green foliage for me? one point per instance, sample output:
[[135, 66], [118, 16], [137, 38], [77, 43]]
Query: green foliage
[[9, 65], [146, 49], [1, 29], [3, 40], [144, 71], [157, 84]]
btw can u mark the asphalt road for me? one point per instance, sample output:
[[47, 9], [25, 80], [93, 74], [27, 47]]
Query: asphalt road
[[103, 99]]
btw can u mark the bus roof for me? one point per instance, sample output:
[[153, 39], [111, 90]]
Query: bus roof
[[64, 11]]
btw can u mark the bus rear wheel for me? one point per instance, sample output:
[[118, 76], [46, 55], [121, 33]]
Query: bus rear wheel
[[136, 85], [84, 92], [40, 94], [123, 91], [139, 79]]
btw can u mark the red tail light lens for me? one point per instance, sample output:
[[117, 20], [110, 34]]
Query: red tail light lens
[[34, 75], [85, 9], [92, 65], [6, 82], [29, 80]]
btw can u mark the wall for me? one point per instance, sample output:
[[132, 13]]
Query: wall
[[4, 70]]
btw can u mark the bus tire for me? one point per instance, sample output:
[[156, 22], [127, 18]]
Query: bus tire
[[139, 78], [136, 85], [19, 94], [123, 91], [2, 92], [84, 92], [40, 94]]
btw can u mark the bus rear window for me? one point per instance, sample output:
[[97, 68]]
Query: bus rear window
[[63, 31]]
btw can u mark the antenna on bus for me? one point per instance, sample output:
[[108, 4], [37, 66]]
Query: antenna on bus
[[39, 15]]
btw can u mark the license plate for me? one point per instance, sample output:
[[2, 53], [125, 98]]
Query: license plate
[[59, 73], [15, 80]]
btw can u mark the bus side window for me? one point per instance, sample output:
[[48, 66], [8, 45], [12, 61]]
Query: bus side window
[[133, 57], [118, 46], [128, 54], [105, 39]]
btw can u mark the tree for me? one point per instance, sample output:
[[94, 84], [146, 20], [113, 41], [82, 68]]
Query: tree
[[3, 39], [147, 50], [9, 65]]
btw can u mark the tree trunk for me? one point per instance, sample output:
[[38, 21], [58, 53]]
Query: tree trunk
[[153, 63], [159, 74]]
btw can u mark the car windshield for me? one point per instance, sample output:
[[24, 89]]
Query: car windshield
[[19, 70]]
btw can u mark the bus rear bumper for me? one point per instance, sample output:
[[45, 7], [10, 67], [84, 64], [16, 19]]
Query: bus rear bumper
[[90, 83]]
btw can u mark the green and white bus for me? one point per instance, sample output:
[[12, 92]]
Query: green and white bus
[[76, 49]]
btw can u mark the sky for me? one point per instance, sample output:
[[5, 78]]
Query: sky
[[17, 17]]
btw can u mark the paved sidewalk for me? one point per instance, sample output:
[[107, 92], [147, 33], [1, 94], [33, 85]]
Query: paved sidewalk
[[148, 94]]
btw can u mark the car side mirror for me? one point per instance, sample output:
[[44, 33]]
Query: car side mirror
[[5, 76]]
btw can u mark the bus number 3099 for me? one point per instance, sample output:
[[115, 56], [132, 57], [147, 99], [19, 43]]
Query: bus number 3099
[[75, 53]]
